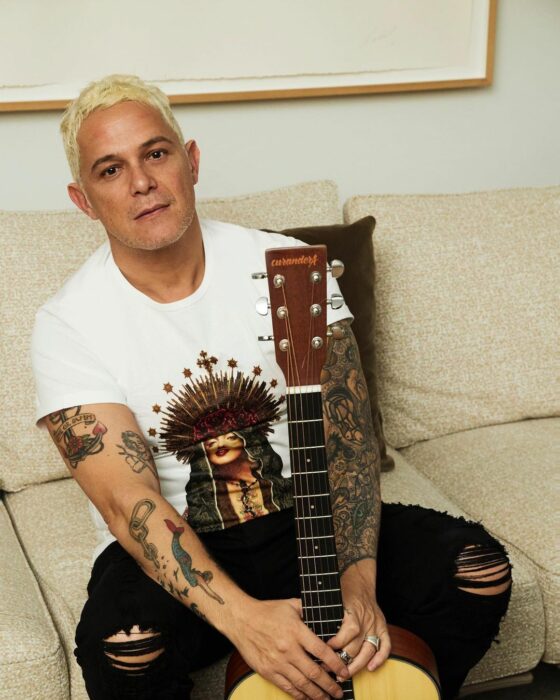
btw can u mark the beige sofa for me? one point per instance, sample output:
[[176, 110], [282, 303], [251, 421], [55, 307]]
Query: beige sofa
[[467, 339]]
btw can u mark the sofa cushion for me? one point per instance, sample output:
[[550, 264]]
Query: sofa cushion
[[60, 553], [468, 313], [32, 662], [352, 243], [40, 250], [508, 475]]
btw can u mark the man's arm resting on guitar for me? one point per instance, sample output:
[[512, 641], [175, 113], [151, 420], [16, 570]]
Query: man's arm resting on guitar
[[354, 466], [113, 465]]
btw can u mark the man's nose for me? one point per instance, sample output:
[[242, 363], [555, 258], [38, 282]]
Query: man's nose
[[141, 181]]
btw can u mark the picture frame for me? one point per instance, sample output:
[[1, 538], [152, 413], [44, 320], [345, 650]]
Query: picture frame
[[383, 46]]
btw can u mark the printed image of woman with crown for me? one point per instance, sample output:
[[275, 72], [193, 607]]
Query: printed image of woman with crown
[[219, 425]]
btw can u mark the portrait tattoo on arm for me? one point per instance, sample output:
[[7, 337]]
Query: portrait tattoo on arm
[[136, 452], [74, 437], [352, 451]]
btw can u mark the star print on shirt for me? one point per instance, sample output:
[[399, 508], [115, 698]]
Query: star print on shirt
[[156, 408], [257, 370], [152, 432], [168, 387]]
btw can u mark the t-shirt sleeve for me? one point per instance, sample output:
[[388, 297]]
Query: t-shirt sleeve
[[67, 373]]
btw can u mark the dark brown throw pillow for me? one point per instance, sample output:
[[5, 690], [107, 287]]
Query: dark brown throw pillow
[[353, 244]]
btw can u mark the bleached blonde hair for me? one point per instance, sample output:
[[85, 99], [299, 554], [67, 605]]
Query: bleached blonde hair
[[105, 93]]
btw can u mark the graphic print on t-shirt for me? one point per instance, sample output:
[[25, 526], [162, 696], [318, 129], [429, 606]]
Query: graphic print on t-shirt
[[218, 422]]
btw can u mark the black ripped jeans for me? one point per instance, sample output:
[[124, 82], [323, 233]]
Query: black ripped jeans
[[417, 588]]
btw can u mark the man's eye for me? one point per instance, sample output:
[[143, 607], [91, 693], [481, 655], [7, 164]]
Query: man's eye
[[157, 155], [111, 170]]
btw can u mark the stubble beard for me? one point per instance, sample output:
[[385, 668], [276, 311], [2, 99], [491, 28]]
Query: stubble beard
[[157, 244]]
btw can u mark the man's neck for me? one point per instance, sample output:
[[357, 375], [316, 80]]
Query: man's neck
[[168, 274]]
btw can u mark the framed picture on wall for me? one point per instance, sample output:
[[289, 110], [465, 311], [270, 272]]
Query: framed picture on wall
[[235, 50]]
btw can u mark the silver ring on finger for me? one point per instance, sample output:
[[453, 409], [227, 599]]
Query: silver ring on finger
[[373, 639], [345, 657]]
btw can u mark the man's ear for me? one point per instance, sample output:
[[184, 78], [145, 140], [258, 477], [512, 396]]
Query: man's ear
[[193, 154], [79, 198]]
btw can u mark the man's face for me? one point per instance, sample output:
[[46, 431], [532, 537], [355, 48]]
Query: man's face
[[137, 178]]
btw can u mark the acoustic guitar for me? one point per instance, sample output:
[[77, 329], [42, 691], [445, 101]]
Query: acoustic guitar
[[298, 302]]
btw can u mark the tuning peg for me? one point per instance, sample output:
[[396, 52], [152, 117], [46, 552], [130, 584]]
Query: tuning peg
[[262, 305], [336, 268], [336, 301], [259, 275], [266, 337]]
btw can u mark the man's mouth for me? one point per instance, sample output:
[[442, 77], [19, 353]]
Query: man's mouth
[[152, 211]]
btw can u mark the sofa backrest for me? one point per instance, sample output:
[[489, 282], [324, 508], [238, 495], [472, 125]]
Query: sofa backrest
[[41, 249], [467, 294]]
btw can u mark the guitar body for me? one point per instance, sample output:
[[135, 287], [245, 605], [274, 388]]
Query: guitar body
[[408, 674]]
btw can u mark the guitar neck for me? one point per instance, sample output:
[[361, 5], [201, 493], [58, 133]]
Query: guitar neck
[[318, 564]]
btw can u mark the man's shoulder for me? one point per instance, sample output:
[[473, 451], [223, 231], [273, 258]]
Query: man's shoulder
[[237, 236], [82, 286]]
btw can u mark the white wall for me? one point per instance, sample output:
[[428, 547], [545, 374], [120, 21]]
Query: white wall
[[507, 135]]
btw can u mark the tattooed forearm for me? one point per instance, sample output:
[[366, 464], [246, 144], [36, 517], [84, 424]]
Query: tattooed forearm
[[352, 451], [138, 529], [74, 437], [166, 575], [136, 452], [194, 577]]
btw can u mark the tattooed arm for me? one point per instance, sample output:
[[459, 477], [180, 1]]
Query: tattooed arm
[[352, 451], [104, 450], [354, 465]]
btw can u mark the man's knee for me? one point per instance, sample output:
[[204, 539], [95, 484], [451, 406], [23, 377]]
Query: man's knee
[[483, 569], [133, 652]]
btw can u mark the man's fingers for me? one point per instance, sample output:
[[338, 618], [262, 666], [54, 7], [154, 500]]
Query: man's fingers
[[309, 678], [363, 656], [348, 632], [326, 654], [383, 653]]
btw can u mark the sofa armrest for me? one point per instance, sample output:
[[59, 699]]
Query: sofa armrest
[[32, 661]]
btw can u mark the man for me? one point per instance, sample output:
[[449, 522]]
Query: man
[[151, 382]]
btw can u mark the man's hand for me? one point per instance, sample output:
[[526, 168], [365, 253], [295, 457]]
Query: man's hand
[[278, 645], [362, 617]]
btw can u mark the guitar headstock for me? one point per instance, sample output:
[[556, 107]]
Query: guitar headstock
[[297, 283]]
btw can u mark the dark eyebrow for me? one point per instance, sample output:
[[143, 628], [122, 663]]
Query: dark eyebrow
[[146, 144]]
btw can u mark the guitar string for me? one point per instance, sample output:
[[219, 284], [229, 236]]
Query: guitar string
[[316, 546], [292, 401], [308, 525]]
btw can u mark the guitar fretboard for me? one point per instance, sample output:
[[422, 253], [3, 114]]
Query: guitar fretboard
[[318, 565]]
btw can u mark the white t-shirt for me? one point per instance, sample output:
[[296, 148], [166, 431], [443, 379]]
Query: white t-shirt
[[201, 386]]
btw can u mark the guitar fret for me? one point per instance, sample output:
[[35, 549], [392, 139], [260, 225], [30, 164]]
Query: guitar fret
[[309, 447], [312, 495], [320, 590], [335, 605], [317, 556], [334, 619], [322, 573], [318, 537], [311, 517], [316, 471], [307, 420]]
